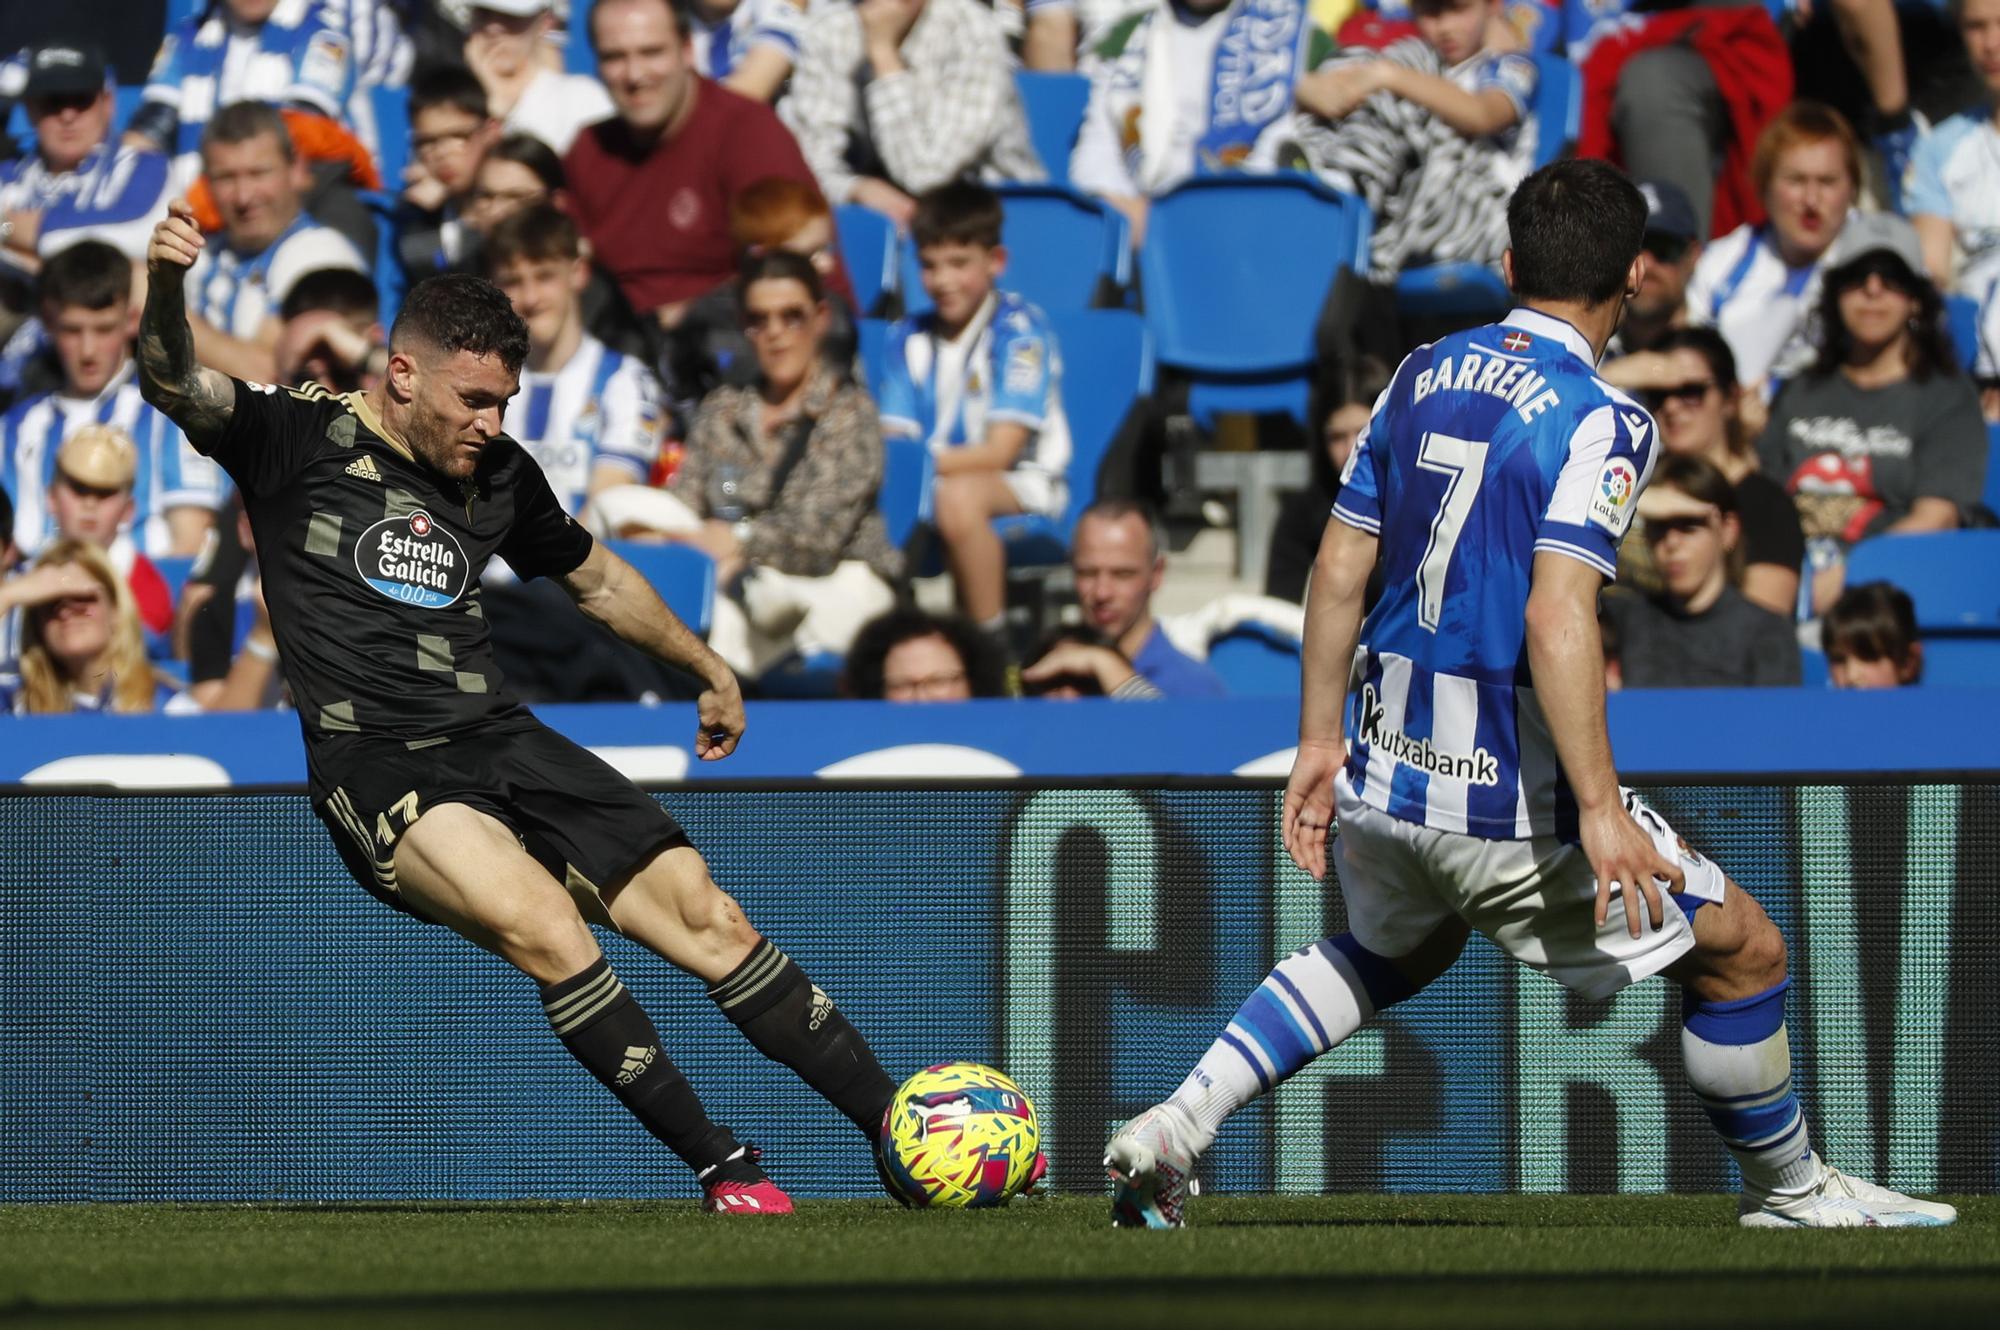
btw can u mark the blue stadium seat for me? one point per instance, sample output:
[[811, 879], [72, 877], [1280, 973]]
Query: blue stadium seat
[[578, 57], [872, 338], [1812, 668], [869, 247], [1962, 662], [683, 575], [1107, 364], [1254, 661], [1992, 496], [1961, 319], [1055, 103], [390, 279], [391, 107], [175, 569], [905, 496], [1953, 576], [1235, 271], [1064, 250], [1473, 290]]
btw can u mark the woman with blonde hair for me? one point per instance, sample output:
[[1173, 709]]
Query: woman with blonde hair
[[82, 646]]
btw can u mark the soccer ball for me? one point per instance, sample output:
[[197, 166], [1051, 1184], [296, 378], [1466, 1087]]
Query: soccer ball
[[960, 1135]]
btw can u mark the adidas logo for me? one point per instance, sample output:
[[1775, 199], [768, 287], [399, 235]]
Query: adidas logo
[[822, 1008], [363, 468], [636, 1061]]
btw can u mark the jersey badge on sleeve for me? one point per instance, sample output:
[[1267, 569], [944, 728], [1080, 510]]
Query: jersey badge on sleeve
[[1024, 365], [1611, 504]]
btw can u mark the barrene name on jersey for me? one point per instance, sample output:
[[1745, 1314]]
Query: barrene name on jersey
[[1526, 391]]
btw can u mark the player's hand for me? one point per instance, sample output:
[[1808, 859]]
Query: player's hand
[[719, 712], [1623, 858], [177, 242], [1308, 817]]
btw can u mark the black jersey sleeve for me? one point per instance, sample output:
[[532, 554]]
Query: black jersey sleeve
[[271, 435], [544, 541]]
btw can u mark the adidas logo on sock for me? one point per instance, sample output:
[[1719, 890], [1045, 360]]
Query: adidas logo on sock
[[821, 1009], [363, 468], [636, 1061]]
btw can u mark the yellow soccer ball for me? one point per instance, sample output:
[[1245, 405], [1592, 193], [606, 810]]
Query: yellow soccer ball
[[960, 1135]]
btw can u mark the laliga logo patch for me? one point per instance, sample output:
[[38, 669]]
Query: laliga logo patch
[[1611, 505], [412, 560]]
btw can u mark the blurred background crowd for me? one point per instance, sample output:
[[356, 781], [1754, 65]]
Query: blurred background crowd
[[936, 349]]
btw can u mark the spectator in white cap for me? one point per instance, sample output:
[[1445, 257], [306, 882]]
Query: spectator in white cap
[[1882, 433], [78, 183], [504, 42]]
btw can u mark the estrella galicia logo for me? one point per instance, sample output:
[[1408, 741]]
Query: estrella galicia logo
[[413, 560]]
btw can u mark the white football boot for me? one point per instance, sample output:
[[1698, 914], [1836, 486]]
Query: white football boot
[[1151, 1163], [1839, 1201]]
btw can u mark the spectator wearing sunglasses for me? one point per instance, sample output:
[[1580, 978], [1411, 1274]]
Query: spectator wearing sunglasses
[[1672, 245], [1697, 401], [1697, 630], [783, 474], [1882, 434]]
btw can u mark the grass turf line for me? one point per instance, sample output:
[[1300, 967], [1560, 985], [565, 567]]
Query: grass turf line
[[1541, 1261]]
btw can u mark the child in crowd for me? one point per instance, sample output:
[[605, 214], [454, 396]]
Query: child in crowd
[[1433, 131], [1870, 637], [980, 380]]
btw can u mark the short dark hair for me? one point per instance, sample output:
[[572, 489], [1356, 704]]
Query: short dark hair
[[778, 265], [1698, 478], [1575, 226], [529, 151], [960, 213], [533, 234], [239, 122], [342, 290], [456, 312], [673, 12], [454, 86], [89, 273], [1112, 510], [985, 674], [1870, 621]]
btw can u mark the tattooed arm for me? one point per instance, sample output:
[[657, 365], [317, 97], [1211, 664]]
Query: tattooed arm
[[198, 399]]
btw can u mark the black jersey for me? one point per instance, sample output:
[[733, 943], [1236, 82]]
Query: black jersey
[[371, 564]]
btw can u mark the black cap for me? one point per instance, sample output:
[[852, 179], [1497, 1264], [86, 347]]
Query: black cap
[[60, 68], [1668, 210]]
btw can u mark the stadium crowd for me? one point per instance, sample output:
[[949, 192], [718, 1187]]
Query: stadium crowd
[[778, 346]]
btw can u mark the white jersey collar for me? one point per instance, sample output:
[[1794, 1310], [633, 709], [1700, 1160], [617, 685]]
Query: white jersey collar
[[1538, 324]]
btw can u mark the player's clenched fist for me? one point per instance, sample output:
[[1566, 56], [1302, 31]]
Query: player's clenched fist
[[176, 242]]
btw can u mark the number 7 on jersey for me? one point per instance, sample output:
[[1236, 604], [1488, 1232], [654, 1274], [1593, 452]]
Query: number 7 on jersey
[[1462, 462]]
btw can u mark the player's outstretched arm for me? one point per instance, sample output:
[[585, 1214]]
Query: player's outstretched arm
[[1334, 603], [611, 591], [198, 399], [1566, 659]]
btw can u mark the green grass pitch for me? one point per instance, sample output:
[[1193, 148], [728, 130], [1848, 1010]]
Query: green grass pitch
[[1545, 1262]]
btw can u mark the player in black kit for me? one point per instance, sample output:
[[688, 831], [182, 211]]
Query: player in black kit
[[374, 514]]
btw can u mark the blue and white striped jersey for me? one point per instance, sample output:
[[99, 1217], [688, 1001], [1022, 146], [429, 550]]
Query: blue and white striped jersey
[[237, 292], [1488, 447], [302, 55], [720, 47], [601, 406], [1005, 365], [171, 473], [115, 194]]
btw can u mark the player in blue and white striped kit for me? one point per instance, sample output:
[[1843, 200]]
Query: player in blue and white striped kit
[[1460, 735]]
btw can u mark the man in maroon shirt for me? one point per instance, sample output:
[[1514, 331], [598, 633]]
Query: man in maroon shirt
[[651, 187]]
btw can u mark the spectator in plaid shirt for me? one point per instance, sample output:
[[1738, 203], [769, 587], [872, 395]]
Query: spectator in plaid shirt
[[892, 98]]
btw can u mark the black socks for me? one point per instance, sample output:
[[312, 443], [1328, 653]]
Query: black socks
[[792, 1021], [611, 1035]]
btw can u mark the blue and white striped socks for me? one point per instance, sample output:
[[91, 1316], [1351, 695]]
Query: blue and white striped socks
[[1318, 996], [1739, 1065]]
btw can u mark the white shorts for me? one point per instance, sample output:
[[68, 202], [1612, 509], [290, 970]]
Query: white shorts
[[1536, 899], [1040, 493]]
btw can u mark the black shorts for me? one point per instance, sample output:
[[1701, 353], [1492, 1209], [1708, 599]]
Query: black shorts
[[581, 820]]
